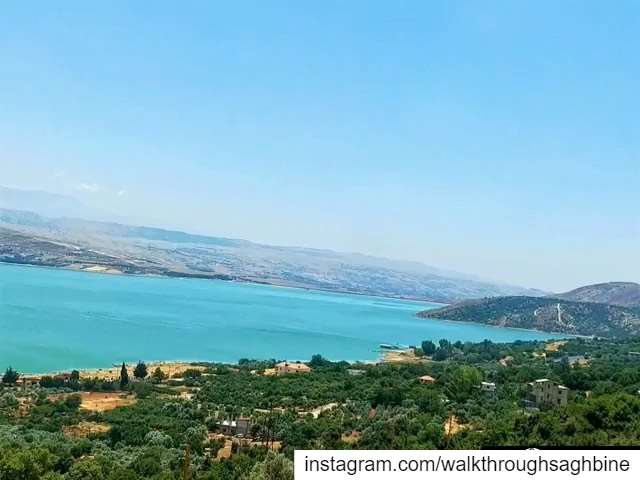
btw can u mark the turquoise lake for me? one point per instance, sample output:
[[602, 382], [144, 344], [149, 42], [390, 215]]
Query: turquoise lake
[[54, 320]]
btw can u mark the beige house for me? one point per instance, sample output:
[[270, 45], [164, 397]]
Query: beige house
[[29, 380], [426, 379], [284, 368], [545, 392]]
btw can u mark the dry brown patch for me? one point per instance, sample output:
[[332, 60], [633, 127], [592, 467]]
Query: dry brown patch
[[452, 425], [401, 356], [85, 429], [226, 451], [170, 369], [351, 438], [103, 402], [274, 445], [98, 401], [555, 346]]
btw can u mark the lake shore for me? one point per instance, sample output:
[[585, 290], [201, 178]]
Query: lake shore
[[170, 368], [62, 319], [112, 271]]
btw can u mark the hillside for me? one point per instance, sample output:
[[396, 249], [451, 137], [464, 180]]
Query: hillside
[[31, 238], [624, 294], [545, 314]]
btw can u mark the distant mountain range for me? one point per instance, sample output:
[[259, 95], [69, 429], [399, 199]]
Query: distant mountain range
[[42, 230], [569, 313], [49, 204]]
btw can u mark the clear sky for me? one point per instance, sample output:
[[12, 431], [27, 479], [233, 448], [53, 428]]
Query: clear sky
[[499, 138]]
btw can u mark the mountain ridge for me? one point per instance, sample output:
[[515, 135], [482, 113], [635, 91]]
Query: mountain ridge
[[149, 250], [624, 294]]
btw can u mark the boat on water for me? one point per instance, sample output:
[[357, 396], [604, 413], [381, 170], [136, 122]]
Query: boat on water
[[389, 346]]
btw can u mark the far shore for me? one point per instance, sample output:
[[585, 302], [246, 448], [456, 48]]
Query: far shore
[[99, 269], [559, 334]]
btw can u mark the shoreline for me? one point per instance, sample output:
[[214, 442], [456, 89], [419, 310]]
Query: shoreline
[[152, 364], [522, 329], [97, 372]]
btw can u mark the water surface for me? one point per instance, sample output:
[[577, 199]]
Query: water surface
[[53, 320]]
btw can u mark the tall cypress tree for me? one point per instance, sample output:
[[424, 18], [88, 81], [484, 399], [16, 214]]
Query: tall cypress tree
[[124, 377]]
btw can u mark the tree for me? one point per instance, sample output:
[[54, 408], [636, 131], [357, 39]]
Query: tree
[[158, 375], [194, 437], [124, 377], [462, 382], [274, 467], [318, 360], [25, 463], [75, 376], [440, 355], [86, 469], [140, 371], [10, 376], [428, 347], [156, 438], [192, 373], [148, 463]]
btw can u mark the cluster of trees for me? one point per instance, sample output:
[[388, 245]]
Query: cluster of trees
[[74, 382], [382, 406], [10, 376], [469, 352]]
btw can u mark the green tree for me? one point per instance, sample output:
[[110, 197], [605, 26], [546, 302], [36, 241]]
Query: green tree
[[195, 437], [274, 467], [440, 355], [87, 469], [156, 438], [428, 347], [461, 382], [158, 375], [318, 360], [25, 463], [140, 371], [122, 473], [10, 376], [148, 463], [192, 373], [124, 377]]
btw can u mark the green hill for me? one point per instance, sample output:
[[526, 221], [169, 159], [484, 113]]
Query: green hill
[[545, 314]]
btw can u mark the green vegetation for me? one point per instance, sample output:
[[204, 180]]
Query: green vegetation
[[140, 371], [336, 406], [10, 376], [124, 377], [545, 314], [158, 375], [428, 347]]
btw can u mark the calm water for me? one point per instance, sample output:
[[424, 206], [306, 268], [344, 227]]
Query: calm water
[[55, 319]]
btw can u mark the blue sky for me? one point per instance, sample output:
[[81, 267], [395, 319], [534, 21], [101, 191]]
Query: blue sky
[[498, 138]]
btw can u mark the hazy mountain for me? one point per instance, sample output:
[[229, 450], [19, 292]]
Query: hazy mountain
[[625, 294], [81, 244], [545, 314], [45, 203]]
